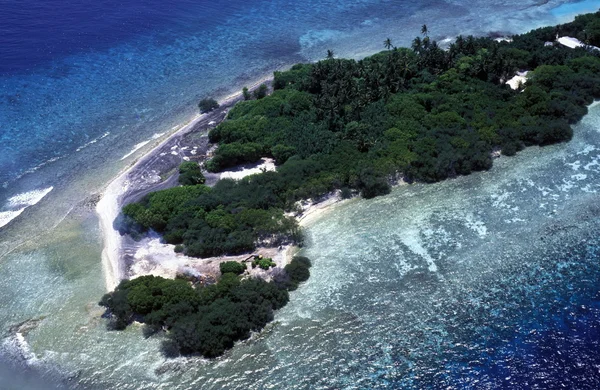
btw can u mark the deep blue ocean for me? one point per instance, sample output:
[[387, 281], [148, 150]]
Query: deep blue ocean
[[86, 82], [88, 86]]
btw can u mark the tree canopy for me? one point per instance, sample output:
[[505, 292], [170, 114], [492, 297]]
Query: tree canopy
[[424, 113], [190, 174], [206, 319], [207, 105]]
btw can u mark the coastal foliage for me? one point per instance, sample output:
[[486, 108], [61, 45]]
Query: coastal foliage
[[586, 28], [206, 320], [261, 91], [246, 94], [233, 267], [263, 263], [230, 218], [190, 174], [297, 271], [207, 105], [423, 114]]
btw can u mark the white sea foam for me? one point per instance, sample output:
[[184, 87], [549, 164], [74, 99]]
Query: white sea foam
[[18, 348], [25, 349], [587, 149], [7, 216], [476, 225], [411, 239], [18, 203], [93, 141], [31, 170], [316, 37], [142, 144], [135, 149], [28, 198]]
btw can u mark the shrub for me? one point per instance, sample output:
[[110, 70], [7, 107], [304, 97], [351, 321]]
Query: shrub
[[375, 186], [246, 94], [263, 263], [190, 174], [282, 153], [346, 193], [297, 271], [233, 267], [261, 91], [207, 105], [236, 153]]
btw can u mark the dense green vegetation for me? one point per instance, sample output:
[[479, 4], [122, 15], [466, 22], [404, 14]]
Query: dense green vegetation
[[263, 262], [190, 174], [261, 91], [297, 271], [233, 267], [426, 113], [422, 113], [206, 320], [229, 218], [246, 94]]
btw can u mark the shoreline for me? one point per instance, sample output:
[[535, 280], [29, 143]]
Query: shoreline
[[126, 185], [123, 185], [151, 256]]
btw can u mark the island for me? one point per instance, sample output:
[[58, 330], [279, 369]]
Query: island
[[343, 128]]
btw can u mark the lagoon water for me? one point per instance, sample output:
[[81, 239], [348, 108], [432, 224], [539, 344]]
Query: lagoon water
[[486, 281]]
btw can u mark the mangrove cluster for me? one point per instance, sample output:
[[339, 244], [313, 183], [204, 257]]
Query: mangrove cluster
[[206, 319]]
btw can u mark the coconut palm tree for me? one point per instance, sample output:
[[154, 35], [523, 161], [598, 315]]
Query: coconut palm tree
[[417, 45], [388, 43], [330, 54], [424, 29], [426, 42]]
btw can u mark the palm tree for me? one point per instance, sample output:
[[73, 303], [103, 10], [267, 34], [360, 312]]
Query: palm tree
[[417, 45], [424, 29], [426, 43], [330, 54], [388, 43], [406, 66], [460, 43]]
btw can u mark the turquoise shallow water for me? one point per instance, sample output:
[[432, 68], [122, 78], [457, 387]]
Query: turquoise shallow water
[[486, 281], [431, 286], [575, 8]]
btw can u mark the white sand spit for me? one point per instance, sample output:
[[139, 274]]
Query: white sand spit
[[159, 259], [573, 43], [570, 42], [519, 79], [109, 205], [266, 164], [312, 211], [108, 209]]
